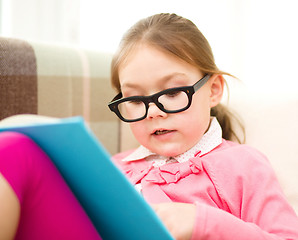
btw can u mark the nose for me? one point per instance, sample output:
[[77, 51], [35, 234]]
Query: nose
[[154, 111]]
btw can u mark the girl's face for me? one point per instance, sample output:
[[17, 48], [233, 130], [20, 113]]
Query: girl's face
[[148, 70]]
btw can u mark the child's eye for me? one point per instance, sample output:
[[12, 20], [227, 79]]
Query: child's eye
[[135, 102]]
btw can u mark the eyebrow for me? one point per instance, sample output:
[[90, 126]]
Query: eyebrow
[[161, 81]]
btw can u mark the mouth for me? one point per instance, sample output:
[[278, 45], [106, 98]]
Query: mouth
[[161, 132]]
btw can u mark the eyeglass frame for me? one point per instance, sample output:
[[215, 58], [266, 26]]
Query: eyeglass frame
[[189, 90]]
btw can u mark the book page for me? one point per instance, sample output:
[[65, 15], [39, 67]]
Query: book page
[[27, 119]]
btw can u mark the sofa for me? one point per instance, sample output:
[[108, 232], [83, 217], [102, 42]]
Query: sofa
[[64, 81], [58, 81]]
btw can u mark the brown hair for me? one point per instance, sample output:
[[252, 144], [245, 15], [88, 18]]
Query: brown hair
[[180, 37]]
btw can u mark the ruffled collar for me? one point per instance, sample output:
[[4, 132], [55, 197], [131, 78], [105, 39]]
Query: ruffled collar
[[169, 173]]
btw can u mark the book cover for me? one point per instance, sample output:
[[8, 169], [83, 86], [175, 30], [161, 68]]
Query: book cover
[[116, 209]]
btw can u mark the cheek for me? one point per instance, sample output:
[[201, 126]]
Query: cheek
[[138, 129], [200, 108], [198, 116]]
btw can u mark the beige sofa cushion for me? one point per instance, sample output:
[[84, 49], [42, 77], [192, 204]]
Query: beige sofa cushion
[[58, 81], [271, 126]]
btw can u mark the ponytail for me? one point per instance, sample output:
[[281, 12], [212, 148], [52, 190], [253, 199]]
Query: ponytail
[[229, 122]]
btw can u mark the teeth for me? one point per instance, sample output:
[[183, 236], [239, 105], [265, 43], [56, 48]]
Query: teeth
[[159, 132]]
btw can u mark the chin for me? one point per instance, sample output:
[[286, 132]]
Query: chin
[[169, 152]]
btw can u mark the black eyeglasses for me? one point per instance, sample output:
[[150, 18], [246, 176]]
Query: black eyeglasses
[[173, 100]]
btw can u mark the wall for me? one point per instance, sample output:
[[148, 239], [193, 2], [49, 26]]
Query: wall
[[254, 40]]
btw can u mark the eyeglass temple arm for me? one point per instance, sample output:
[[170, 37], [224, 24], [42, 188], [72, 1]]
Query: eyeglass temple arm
[[118, 96], [200, 83]]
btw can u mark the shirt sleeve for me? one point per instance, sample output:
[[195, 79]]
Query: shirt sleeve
[[255, 206]]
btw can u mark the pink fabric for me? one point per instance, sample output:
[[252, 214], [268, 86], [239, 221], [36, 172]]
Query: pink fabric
[[234, 187], [49, 210]]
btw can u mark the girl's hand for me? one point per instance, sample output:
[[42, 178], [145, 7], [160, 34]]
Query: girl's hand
[[179, 218]]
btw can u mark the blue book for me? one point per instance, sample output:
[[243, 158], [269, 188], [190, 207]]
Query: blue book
[[116, 209]]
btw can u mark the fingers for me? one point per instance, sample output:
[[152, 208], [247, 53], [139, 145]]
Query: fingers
[[9, 209], [179, 218]]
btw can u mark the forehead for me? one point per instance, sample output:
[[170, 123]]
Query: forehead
[[147, 63]]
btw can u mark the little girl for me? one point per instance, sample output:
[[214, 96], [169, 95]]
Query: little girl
[[201, 184]]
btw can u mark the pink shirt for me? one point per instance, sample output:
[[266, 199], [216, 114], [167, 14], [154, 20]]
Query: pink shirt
[[233, 186]]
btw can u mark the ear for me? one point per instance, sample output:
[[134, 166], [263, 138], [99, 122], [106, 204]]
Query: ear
[[217, 83]]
